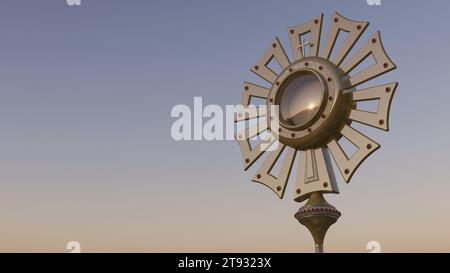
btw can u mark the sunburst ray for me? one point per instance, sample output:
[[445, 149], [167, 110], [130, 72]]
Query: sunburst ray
[[276, 183], [354, 29], [383, 94], [252, 90], [315, 173], [261, 67], [295, 33], [382, 65], [347, 166]]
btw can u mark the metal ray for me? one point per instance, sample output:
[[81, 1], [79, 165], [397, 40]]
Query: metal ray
[[379, 119], [314, 27], [382, 62], [315, 173], [253, 90], [275, 51], [276, 184], [354, 29], [366, 146]]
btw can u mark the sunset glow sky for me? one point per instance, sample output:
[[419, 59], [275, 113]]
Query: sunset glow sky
[[85, 146]]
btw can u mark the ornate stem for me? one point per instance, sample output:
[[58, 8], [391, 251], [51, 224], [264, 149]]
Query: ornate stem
[[317, 215]]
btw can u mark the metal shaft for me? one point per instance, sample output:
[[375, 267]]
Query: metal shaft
[[319, 248]]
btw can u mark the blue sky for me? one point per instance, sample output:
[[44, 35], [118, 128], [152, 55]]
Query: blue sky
[[86, 153]]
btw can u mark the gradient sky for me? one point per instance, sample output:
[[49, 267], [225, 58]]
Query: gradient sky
[[85, 146]]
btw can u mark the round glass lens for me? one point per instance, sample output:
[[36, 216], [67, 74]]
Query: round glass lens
[[301, 99]]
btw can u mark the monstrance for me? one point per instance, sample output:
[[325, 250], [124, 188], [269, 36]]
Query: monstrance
[[315, 98]]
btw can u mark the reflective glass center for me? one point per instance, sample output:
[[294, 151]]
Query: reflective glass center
[[301, 99]]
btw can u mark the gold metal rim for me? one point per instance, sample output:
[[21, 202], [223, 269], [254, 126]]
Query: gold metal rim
[[323, 96], [327, 119]]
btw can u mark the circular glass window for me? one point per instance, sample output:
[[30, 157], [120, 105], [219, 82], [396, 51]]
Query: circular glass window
[[301, 99]]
